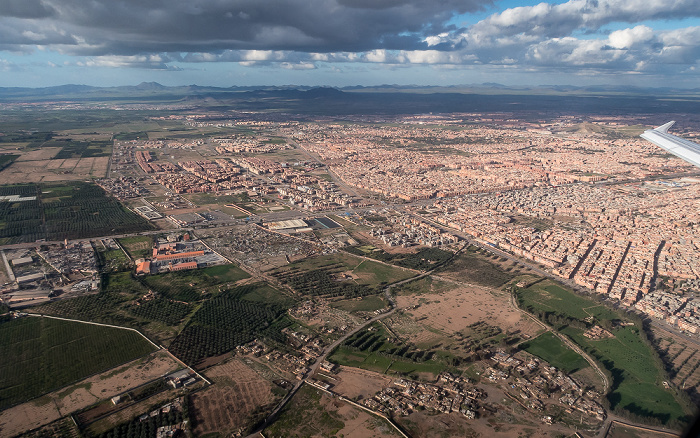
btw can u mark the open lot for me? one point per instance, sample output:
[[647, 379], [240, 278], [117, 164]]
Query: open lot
[[69, 169], [455, 308], [313, 413], [230, 404], [57, 404]]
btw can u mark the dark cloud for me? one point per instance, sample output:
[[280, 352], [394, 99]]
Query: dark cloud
[[129, 27], [25, 9]]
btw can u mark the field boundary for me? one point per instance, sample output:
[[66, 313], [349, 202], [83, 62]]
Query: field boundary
[[97, 323]]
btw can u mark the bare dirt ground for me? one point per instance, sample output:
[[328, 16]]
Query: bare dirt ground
[[54, 170], [226, 406], [452, 310], [358, 423], [354, 382], [57, 404], [39, 154], [422, 424]]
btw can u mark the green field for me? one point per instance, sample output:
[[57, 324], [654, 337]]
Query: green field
[[367, 272], [42, 354], [138, 247], [551, 349], [634, 367], [548, 297], [425, 285], [190, 285], [365, 304]]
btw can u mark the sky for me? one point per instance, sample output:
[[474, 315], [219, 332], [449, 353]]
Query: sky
[[349, 42]]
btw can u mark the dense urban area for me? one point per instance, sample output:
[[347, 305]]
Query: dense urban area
[[179, 269]]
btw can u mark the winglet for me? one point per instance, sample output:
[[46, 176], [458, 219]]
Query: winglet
[[664, 128]]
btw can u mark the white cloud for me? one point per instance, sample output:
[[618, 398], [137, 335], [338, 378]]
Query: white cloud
[[627, 38]]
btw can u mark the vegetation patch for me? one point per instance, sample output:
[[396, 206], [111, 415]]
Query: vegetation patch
[[422, 260], [191, 285], [365, 304], [552, 350], [635, 370], [305, 416], [378, 350], [72, 211], [138, 247], [43, 354], [473, 266], [226, 321]]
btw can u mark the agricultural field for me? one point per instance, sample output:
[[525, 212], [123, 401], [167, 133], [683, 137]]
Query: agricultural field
[[313, 413], [43, 354], [636, 370], [113, 260], [48, 157], [478, 267], [234, 402], [426, 285], [163, 314], [194, 285], [552, 350], [71, 211], [138, 247], [339, 275], [376, 349], [365, 304], [88, 392], [228, 320]]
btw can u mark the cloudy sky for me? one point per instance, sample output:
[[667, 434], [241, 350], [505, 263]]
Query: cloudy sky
[[349, 42]]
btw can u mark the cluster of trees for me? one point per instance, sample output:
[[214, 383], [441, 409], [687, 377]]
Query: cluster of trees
[[374, 342], [558, 320], [100, 307], [320, 282], [223, 323], [89, 212], [162, 310], [22, 220]]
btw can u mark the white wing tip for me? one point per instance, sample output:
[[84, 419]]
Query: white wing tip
[[665, 127]]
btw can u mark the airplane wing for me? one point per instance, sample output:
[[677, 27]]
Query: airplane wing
[[680, 147]]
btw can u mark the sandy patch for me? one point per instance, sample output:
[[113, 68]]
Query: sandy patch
[[354, 382], [55, 405], [453, 310], [69, 163]]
